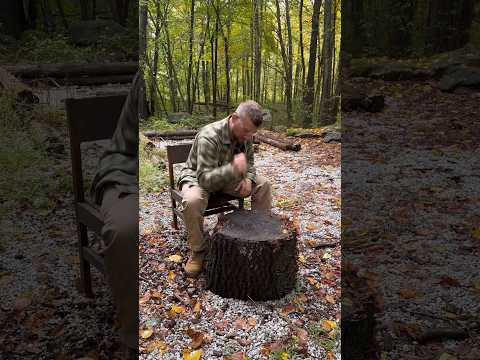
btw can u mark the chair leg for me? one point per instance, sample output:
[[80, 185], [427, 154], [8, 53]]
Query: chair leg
[[175, 221], [85, 273]]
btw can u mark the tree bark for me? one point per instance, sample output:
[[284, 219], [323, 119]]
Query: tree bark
[[286, 56], [281, 144], [325, 106], [190, 56], [251, 258], [257, 5], [308, 98]]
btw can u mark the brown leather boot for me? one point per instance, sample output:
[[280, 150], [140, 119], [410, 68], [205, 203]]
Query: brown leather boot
[[193, 267]]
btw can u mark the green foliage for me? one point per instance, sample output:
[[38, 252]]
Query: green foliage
[[152, 169], [39, 47], [27, 176]]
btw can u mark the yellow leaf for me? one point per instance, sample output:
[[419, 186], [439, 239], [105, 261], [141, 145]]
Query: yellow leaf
[[175, 258], [329, 324], [171, 275], [301, 258], [476, 233], [327, 255], [177, 309], [311, 280], [284, 356], [194, 355], [476, 283], [310, 227], [146, 333], [252, 322]]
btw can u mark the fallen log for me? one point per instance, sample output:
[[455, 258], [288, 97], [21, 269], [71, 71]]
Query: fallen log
[[252, 255], [277, 143], [178, 134], [72, 70], [21, 91]]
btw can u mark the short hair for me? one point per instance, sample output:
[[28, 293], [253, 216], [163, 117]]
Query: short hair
[[252, 110]]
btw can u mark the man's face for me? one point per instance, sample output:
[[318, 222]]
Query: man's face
[[242, 129]]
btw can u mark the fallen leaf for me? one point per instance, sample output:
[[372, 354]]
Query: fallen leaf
[[197, 307], [194, 355], [288, 309], [311, 280], [238, 356], [197, 338], [144, 298], [476, 283], [175, 258], [284, 356], [408, 293], [327, 256], [157, 344], [447, 281], [329, 324], [252, 322], [310, 227], [330, 356], [447, 356], [329, 299], [22, 303], [171, 275], [177, 309], [146, 333], [239, 324], [156, 295], [301, 258], [476, 233]]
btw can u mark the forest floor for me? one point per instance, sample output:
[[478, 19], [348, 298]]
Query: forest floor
[[180, 318], [410, 183]]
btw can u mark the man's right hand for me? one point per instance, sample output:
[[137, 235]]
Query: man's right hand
[[239, 164]]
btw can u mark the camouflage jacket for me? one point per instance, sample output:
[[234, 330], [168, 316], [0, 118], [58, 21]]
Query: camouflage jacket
[[119, 164], [209, 161]]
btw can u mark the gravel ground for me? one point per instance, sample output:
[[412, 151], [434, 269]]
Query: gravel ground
[[42, 314], [411, 188], [306, 186]]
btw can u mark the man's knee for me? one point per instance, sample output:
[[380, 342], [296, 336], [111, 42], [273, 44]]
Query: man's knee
[[193, 198], [262, 183]]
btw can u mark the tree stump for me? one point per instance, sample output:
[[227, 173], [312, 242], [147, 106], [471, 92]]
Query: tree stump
[[252, 255]]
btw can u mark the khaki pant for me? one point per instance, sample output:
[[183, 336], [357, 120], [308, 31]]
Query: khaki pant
[[120, 233], [195, 201]]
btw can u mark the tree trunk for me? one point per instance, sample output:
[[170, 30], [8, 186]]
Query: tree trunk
[[251, 258], [325, 106], [286, 56], [302, 55], [257, 5], [308, 98], [190, 56]]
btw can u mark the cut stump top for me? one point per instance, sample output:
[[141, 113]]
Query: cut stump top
[[252, 226]]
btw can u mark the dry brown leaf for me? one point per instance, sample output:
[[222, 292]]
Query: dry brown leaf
[[197, 338], [157, 344], [197, 308], [145, 298], [310, 227], [156, 295], [408, 293], [239, 324], [288, 309], [330, 299], [329, 324], [194, 355], [252, 322], [171, 275]]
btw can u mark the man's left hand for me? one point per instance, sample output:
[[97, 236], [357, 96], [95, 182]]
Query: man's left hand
[[244, 187]]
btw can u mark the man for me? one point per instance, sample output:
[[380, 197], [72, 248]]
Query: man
[[115, 189], [221, 160]]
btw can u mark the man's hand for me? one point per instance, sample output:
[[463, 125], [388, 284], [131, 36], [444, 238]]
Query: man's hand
[[244, 187], [239, 164]]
